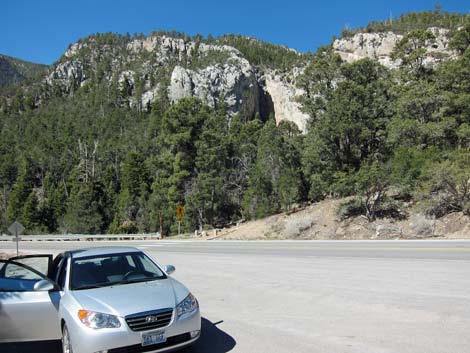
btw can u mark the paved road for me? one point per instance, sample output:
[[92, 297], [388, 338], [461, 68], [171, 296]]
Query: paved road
[[394, 249], [351, 297]]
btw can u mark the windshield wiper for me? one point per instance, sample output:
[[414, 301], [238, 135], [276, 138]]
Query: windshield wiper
[[148, 279], [91, 286], [100, 285]]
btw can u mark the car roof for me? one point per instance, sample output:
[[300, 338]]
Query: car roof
[[102, 250]]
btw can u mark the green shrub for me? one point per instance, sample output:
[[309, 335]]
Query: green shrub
[[350, 208], [448, 187]]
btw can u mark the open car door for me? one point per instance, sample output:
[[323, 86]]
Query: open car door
[[28, 302]]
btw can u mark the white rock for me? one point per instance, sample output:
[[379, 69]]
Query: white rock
[[235, 82], [181, 85], [379, 46], [67, 75], [149, 96], [388, 230], [284, 95]]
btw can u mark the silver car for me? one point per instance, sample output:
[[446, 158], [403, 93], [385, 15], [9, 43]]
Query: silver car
[[97, 300]]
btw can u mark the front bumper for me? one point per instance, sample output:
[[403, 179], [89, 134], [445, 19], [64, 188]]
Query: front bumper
[[124, 340], [172, 343]]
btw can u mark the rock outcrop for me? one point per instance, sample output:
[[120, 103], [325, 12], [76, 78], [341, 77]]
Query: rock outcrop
[[379, 46], [284, 97], [209, 72], [146, 67], [234, 81], [67, 75], [213, 73]]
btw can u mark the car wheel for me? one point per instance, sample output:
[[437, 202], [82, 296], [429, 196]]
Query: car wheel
[[66, 345]]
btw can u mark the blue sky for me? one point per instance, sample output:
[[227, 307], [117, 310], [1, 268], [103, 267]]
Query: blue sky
[[41, 30]]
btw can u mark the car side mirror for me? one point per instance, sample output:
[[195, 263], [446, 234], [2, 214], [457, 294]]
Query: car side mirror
[[44, 285], [169, 269]]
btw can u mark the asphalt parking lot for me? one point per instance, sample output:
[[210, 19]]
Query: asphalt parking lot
[[338, 297]]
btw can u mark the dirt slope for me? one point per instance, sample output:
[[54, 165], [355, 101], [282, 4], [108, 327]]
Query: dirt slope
[[320, 221]]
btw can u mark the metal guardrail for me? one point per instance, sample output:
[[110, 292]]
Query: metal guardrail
[[80, 237]]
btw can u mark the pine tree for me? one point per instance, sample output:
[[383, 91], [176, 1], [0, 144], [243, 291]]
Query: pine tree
[[84, 210], [30, 213], [206, 196], [275, 179], [22, 189], [133, 194]]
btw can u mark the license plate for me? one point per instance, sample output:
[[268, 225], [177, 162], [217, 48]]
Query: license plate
[[153, 338]]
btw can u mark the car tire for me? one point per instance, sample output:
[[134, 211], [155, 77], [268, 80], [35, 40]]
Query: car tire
[[66, 344]]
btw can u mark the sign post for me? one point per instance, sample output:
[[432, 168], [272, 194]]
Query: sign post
[[16, 229], [179, 214]]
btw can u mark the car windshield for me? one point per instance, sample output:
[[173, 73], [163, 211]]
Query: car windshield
[[113, 269]]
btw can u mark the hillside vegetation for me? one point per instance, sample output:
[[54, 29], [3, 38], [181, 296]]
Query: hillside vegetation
[[15, 71], [90, 158], [413, 21], [263, 54]]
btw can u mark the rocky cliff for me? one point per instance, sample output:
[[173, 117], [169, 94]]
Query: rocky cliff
[[379, 46], [145, 68], [180, 68], [284, 95]]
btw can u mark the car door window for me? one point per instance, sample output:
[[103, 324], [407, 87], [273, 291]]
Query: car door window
[[39, 263], [16, 270], [17, 277], [21, 273]]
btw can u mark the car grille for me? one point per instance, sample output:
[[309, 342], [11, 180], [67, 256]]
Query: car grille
[[149, 320], [137, 348]]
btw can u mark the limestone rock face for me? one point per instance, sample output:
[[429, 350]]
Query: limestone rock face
[[209, 72], [212, 73], [235, 82], [182, 84], [67, 75], [149, 96], [379, 46], [145, 68], [284, 95], [126, 78], [165, 48]]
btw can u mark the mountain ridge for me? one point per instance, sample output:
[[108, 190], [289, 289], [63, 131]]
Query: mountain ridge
[[122, 129], [14, 70]]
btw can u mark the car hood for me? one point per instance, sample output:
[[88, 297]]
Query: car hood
[[126, 299]]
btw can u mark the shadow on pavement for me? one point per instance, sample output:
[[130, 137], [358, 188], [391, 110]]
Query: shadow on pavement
[[213, 340], [28, 347]]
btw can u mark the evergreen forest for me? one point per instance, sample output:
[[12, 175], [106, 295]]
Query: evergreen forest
[[84, 162]]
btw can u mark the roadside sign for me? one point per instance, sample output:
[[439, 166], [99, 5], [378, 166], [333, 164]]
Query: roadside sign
[[180, 212], [16, 228]]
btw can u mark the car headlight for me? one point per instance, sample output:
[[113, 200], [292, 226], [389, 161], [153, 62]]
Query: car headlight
[[187, 306], [96, 320]]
